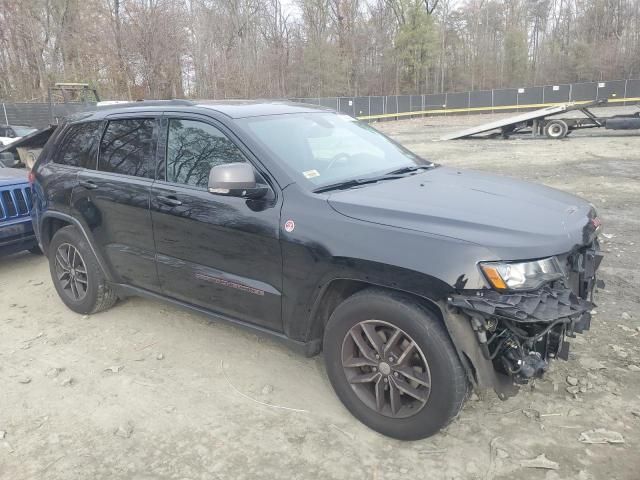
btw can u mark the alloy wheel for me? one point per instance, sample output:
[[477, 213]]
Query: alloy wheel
[[71, 272], [386, 368]]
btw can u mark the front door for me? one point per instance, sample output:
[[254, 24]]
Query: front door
[[217, 252], [113, 199]]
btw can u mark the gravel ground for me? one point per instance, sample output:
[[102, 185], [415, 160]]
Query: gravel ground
[[148, 391]]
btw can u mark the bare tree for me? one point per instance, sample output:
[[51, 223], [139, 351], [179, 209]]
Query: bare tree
[[134, 49]]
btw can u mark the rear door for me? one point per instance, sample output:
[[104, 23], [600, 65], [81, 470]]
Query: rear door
[[218, 252], [75, 151], [113, 199]]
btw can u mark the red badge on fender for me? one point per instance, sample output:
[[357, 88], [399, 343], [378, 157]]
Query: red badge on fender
[[289, 225]]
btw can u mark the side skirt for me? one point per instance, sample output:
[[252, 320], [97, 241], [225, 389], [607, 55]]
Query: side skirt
[[308, 349]]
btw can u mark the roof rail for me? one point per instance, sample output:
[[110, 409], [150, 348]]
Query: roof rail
[[148, 103]]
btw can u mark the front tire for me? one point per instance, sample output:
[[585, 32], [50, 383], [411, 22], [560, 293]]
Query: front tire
[[76, 274], [393, 366]]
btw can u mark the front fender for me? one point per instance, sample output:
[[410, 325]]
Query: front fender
[[426, 290]]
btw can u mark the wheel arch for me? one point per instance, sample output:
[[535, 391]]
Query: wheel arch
[[479, 370], [48, 228], [335, 291], [51, 222]]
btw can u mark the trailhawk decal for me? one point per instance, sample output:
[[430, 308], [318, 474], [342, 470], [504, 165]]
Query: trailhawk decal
[[227, 283]]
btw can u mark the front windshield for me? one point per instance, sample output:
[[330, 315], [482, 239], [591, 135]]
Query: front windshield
[[327, 148], [23, 131]]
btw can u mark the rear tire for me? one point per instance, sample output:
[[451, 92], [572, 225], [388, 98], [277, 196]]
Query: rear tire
[[556, 129], [76, 275], [428, 384]]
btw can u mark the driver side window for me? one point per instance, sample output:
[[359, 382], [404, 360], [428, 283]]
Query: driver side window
[[193, 148]]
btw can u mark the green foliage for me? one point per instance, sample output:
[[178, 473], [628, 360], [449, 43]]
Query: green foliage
[[515, 52], [324, 71], [415, 43]]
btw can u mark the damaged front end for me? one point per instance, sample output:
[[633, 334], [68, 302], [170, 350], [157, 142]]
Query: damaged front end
[[520, 331]]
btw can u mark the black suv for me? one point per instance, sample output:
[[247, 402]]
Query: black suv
[[417, 281]]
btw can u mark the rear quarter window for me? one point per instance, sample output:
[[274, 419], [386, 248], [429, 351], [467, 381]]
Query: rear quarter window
[[127, 147], [77, 148]]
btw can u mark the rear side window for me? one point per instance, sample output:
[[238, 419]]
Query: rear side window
[[127, 147], [77, 146], [193, 148]]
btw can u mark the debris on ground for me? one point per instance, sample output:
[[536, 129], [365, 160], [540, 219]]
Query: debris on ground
[[493, 454], [124, 430], [541, 461], [601, 435], [625, 316], [160, 356], [267, 389], [67, 382], [54, 372], [574, 389], [573, 381], [24, 380], [114, 368]]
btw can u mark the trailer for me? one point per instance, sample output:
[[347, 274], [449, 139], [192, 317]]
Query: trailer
[[537, 123]]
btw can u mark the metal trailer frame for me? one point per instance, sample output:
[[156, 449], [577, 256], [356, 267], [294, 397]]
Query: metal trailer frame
[[537, 124], [65, 93]]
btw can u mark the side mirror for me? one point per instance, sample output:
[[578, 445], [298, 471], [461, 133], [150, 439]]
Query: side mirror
[[235, 180]]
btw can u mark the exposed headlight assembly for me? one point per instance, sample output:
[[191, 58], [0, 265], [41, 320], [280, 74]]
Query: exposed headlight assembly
[[521, 275]]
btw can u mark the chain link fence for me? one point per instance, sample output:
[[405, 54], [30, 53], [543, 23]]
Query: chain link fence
[[621, 92], [503, 100]]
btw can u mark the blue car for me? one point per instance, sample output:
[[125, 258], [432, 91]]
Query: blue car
[[16, 229]]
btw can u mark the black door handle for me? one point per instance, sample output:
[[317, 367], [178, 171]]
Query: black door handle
[[169, 200], [88, 184]]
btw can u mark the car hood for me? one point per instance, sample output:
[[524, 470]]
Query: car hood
[[13, 176], [512, 218]]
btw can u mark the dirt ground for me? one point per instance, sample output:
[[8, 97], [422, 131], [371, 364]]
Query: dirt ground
[[148, 391]]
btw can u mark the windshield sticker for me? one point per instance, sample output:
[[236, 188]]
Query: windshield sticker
[[311, 174]]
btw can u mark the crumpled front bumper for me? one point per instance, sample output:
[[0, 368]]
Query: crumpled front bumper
[[547, 304], [520, 332]]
